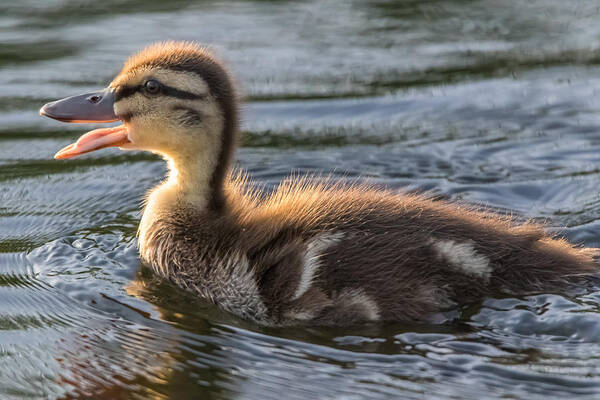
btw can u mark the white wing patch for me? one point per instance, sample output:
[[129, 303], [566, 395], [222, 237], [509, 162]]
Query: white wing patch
[[312, 260], [464, 257]]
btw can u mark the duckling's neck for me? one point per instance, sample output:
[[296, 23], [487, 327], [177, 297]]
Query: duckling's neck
[[188, 182], [189, 185]]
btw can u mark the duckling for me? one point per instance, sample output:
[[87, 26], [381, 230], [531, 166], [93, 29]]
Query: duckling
[[312, 251]]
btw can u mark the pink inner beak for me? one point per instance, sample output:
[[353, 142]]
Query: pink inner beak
[[95, 140]]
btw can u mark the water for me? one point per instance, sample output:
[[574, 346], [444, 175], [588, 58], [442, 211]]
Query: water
[[480, 101]]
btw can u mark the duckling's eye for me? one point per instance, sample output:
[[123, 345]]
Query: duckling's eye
[[152, 86]]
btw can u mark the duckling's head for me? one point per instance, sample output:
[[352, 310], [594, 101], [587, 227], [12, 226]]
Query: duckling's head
[[174, 99]]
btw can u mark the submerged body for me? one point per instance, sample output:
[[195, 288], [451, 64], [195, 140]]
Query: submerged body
[[310, 253], [326, 254]]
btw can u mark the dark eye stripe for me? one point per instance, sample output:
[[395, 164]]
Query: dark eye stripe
[[180, 94], [126, 91]]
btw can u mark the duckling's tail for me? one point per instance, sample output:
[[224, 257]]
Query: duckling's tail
[[556, 264]]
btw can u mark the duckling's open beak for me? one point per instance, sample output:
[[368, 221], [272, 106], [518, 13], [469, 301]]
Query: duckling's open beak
[[89, 107]]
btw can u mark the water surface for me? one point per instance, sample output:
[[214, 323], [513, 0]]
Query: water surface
[[488, 102]]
